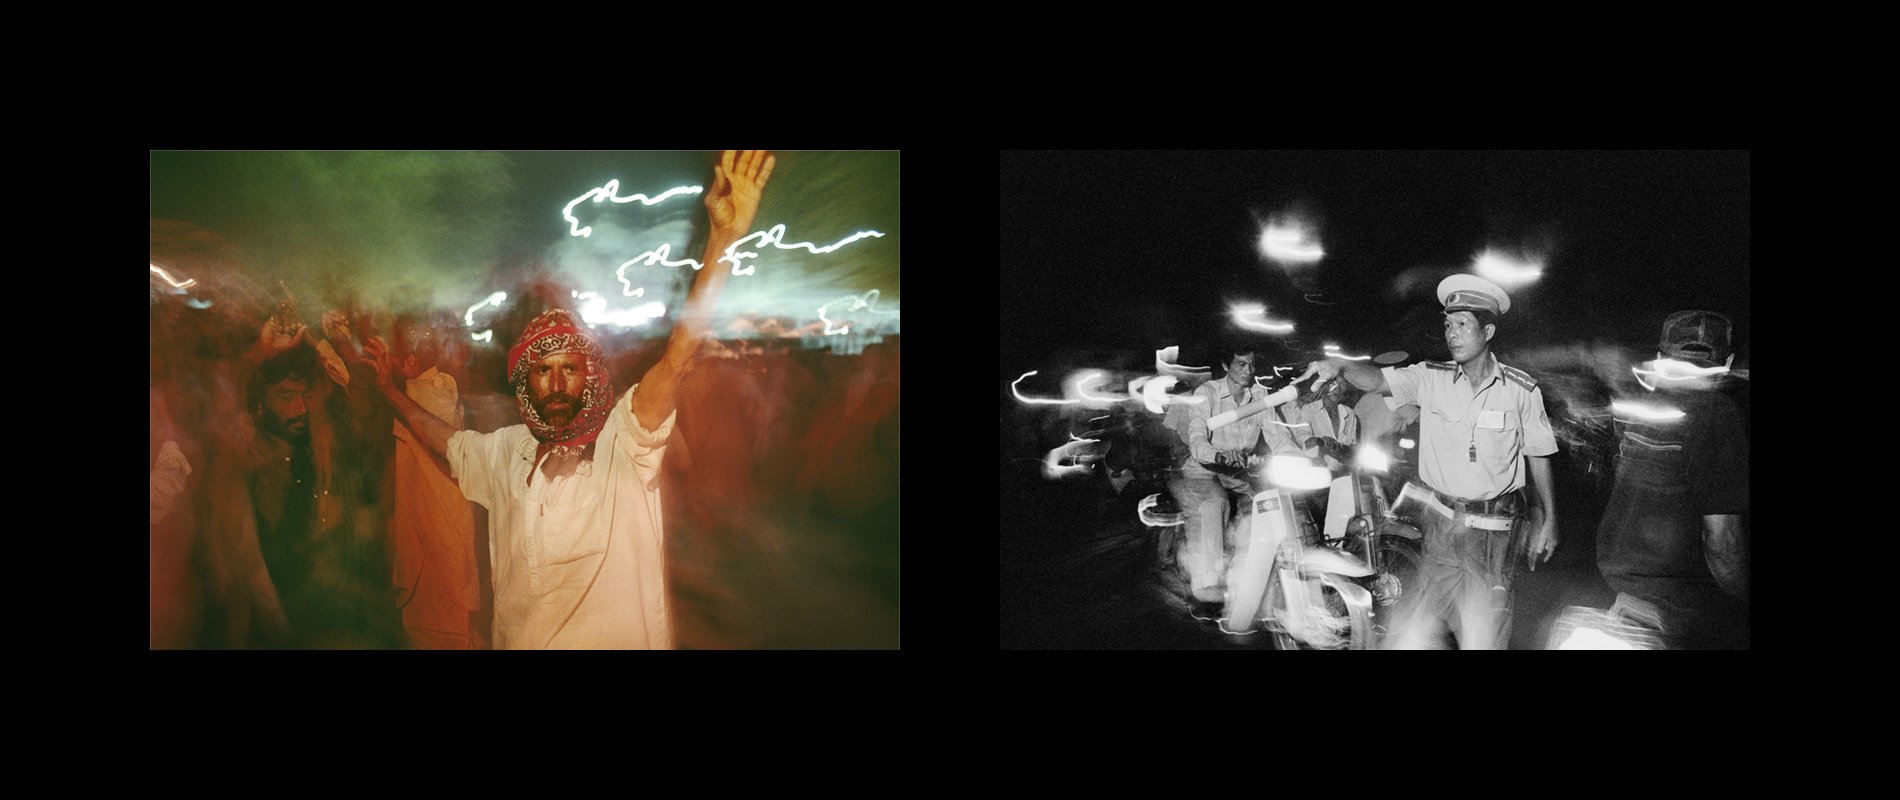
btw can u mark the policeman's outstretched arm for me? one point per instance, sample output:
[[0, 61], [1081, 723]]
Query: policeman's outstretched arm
[[1365, 376], [738, 182], [1544, 538]]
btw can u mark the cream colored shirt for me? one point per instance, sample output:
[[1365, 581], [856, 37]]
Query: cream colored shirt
[[432, 532], [1217, 397], [1473, 439], [577, 559]]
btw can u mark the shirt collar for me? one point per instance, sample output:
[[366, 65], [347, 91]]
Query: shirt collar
[[1458, 370]]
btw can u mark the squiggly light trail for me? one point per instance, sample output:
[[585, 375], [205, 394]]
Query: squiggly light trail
[[484, 336], [611, 191], [770, 236], [168, 278], [493, 300], [1035, 400], [865, 301]]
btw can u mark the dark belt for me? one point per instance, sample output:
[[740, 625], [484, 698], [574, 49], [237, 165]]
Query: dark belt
[[1505, 504]]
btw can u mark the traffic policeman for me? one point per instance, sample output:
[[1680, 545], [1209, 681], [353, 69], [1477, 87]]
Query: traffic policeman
[[1483, 435]]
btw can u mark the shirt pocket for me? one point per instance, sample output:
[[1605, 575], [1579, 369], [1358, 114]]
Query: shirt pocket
[[1498, 436]]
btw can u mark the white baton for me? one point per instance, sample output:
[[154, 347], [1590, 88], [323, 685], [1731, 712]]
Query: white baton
[[1226, 418]]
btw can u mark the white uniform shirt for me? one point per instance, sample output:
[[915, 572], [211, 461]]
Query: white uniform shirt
[[1473, 439], [578, 560]]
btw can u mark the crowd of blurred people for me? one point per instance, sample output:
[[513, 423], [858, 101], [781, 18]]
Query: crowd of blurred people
[[291, 509]]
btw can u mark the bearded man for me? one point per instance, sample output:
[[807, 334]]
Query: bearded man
[[573, 492]]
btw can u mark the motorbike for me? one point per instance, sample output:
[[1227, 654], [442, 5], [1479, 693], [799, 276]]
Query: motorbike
[[1330, 586]]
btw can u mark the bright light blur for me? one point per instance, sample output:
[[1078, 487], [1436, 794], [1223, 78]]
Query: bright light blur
[[1592, 639], [1154, 392], [1290, 242], [1296, 472], [594, 311], [1506, 271], [1373, 458], [1252, 316], [1407, 443], [1333, 351], [1035, 400], [1651, 413]]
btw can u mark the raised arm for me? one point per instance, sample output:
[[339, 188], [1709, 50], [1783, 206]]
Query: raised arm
[[738, 182], [430, 430]]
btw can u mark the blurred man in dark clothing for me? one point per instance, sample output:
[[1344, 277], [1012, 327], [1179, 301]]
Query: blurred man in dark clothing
[[331, 574], [1673, 542]]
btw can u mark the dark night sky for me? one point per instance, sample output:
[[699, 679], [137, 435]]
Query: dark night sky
[[1134, 251]]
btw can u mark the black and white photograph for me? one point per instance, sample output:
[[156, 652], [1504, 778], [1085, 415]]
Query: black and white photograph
[[1374, 399]]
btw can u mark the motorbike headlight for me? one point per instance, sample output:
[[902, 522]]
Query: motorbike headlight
[[1373, 458], [1297, 472]]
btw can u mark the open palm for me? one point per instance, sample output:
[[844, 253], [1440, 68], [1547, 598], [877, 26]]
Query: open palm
[[738, 181]]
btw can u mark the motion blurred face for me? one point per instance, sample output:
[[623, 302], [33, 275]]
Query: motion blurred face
[[1240, 370], [420, 350], [1466, 338], [554, 387], [287, 409]]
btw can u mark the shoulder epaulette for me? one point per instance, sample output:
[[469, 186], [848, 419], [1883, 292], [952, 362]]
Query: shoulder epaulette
[[1519, 377], [1436, 365]]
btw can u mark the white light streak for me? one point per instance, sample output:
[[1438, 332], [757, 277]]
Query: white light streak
[[156, 270], [493, 300], [1505, 270], [1407, 443], [1290, 242], [611, 192], [1035, 400], [1252, 317], [484, 336], [1669, 369], [1651, 413]]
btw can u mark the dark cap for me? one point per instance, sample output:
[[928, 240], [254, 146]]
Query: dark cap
[[1698, 336]]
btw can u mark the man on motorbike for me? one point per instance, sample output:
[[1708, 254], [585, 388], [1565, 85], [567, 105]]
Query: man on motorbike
[[1214, 467]]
